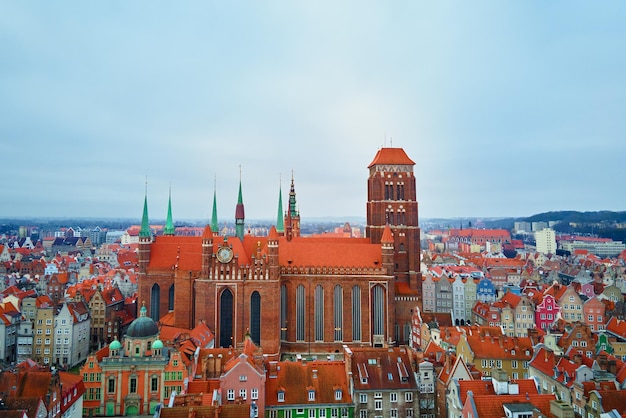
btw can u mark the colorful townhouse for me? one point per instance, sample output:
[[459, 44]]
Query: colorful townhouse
[[546, 311], [491, 352], [382, 382]]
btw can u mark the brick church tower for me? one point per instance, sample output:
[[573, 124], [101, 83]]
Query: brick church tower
[[392, 200]]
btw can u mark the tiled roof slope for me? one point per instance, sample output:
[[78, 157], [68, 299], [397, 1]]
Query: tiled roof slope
[[297, 378], [490, 406], [500, 347], [391, 156], [484, 387], [381, 369], [186, 252]]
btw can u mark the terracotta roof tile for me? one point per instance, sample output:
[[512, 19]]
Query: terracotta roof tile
[[391, 156], [295, 377]]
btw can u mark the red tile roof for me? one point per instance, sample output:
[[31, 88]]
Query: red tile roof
[[186, 252], [295, 377], [384, 368], [488, 406], [391, 156], [484, 387]]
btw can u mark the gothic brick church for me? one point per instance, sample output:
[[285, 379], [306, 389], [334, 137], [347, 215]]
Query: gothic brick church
[[293, 293]]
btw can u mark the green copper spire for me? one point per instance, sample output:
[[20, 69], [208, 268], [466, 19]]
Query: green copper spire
[[169, 229], [292, 198], [214, 223], [145, 232], [239, 212], [280, 221]]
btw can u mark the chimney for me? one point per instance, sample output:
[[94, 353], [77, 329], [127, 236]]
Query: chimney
[[218, 365], [210, 366], [448, 360], [273, 369]]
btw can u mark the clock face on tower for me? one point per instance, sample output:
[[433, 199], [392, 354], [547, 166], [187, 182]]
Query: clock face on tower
[[224, 254]]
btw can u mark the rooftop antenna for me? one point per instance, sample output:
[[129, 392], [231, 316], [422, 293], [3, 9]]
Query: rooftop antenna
[[390, 142]]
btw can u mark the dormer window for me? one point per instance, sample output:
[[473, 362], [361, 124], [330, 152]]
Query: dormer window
[[281, 396], [338, 394], [311, 395]]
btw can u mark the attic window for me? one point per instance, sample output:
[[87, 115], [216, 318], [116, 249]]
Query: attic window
[[338, 395], [281, 396], [311, 395], [371, 361], [390, 376]]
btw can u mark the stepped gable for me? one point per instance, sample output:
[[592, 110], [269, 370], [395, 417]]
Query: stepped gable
[[394, 156], [329, 252]]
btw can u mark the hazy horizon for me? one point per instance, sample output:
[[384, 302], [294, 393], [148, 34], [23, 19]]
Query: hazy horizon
[[507, 108]]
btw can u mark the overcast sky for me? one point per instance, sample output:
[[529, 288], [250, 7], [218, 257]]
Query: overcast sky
[[508, 108]]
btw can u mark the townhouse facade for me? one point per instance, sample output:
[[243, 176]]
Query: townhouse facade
[[383, 382]]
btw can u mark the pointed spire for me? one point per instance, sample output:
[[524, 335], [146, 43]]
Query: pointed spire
[[280, 222], [239, 212], [292, 198], [214, 223], [387, 237], [145, 232], [169, 229]]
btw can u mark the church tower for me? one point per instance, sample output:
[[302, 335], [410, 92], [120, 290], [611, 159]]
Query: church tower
[[392, 200], [292, 218]]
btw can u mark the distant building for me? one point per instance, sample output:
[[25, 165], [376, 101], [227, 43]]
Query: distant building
[[600, 247], [521, 227], [546, 241]]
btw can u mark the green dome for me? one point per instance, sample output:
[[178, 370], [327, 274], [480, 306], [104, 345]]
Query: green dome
[[158, 344], [115, 345], [142, 327]]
